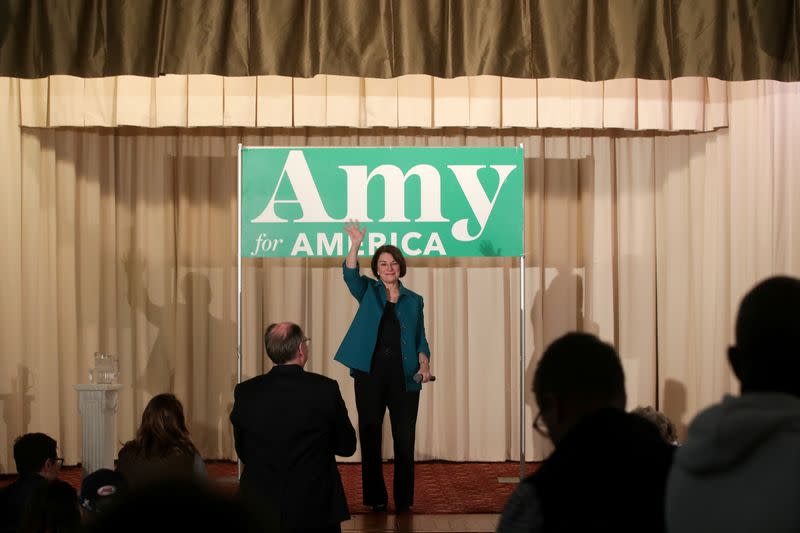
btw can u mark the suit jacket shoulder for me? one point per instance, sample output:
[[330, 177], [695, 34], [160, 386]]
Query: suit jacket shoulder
[[320, 379]]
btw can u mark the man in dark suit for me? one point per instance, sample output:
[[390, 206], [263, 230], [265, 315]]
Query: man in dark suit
[[288, 425]]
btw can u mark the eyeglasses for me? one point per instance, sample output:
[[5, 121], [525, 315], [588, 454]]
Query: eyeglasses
[[307, 340], [539, 426], [60, 461]]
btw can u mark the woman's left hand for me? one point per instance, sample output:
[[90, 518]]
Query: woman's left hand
[[424, 368]]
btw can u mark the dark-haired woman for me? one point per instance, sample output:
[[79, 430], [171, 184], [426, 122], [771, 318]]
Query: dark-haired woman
[[385, 348], [162, 448]]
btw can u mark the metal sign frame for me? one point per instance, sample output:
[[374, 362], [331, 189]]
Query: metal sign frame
[[522, 314]]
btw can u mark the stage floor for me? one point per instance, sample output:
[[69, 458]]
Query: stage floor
[[439, 487], [422, 523]]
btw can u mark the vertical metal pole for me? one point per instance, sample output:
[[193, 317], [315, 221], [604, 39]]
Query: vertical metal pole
[[522, 306], [522, 367], [239, 280]]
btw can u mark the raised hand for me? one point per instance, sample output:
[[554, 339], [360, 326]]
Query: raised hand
[[356, 236], [353, 229]]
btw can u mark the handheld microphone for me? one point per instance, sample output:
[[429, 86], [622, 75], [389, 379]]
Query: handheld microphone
[[418, 378]]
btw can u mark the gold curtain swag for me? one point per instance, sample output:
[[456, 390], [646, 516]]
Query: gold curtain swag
[[571, 39]]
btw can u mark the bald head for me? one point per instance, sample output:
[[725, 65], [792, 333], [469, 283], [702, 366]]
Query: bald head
[[283, 342], [766, 356]]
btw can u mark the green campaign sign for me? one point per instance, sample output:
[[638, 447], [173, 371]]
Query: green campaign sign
[[427, 201]]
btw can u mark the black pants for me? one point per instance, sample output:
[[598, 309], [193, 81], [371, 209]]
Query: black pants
[[382, 388]]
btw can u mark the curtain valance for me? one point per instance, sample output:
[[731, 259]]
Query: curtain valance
[[684, 104], [571, 39]]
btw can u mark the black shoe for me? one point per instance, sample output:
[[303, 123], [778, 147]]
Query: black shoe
[[403, 508], [379, 508]]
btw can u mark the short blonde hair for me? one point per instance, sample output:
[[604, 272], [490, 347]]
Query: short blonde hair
[[665, 426]]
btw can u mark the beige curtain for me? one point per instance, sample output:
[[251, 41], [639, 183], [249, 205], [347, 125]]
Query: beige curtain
[[123, 240], [682, 104]]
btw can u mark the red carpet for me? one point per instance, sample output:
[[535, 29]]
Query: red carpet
[[440, 487], [443, 488]]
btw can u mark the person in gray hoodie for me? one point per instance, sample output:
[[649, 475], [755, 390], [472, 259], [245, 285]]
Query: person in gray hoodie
[[739, 469]]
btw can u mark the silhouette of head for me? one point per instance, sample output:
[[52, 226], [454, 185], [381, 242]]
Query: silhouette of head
[[766, 357], [196, 289], [577, 375]]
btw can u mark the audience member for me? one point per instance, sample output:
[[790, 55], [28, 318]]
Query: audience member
[[179, 504], [609, 467], [739, 469], [162, 447], [53, 508], [288, 424], [99, 490], [665, 426], [35, 455]]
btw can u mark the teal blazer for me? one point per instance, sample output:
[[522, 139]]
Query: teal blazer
[[358, 344]]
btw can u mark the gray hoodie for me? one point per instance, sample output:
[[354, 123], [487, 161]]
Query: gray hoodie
[[739, 469]]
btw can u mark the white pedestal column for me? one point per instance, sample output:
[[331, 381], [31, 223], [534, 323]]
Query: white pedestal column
[[98, 408]]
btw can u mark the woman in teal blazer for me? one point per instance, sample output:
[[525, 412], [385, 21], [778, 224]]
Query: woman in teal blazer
[[385, 348]]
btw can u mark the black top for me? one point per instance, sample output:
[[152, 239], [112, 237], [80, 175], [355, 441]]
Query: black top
[[388, 332], [387, 359]]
